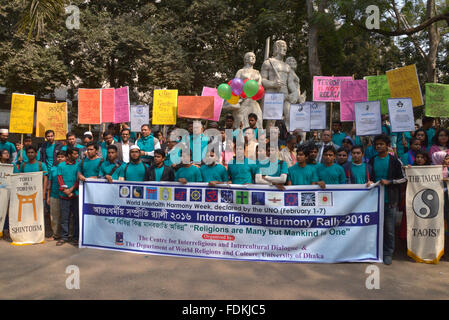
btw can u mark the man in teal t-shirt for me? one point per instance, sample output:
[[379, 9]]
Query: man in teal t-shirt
[[241, 170], [71, 142], [53, 196], [135, 170], [147, 144], [5, 144], [213, 172], [302, 173], [188, 172], [329, 172], [337, 135], [90, 165], [110, 169], [271, 170], [357, 171], [33, 165]]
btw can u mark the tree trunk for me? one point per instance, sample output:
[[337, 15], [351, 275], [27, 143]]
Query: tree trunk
[[314, 60], [434, 40]]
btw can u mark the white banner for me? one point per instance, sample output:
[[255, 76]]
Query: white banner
[[26, 209], [5, 171], [343, 223], [273, 106], [425, 213], [318, 115], [401, 115], [140, 115], [368, 118], [4, 200], [300, 116]]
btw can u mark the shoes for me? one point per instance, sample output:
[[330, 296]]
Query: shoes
[[60, 242], [75, 242], [388, 260]]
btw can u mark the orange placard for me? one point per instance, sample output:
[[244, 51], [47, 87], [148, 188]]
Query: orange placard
[[89, 106], [196, 107]]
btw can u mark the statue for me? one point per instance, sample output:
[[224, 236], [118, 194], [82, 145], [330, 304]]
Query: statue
[[279, 77], [301, 97], [244, 107]]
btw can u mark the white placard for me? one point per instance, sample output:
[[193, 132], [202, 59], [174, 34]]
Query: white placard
[[273, 106], [368, 118], [318, 115], [401, 115], [300, 116], [140, 115]]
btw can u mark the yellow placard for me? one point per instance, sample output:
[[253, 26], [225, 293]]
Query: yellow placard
[[51, 116], [22, 113], [165, 103], [404, 83]]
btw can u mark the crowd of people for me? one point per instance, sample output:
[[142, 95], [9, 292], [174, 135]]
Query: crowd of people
[[318, 158]]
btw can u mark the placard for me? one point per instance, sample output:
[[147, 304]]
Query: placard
[[351, 92], [404, 82], [22, 113], [218, 102], [89, 106], [378, 89], [52, 116], [437, 100], [273, 106], [300, 116], [165, 103], [107, 105], [121, 105], [317, 115], [368, 118], [195, 107], [327, 88], [140, 115], [401, 115]]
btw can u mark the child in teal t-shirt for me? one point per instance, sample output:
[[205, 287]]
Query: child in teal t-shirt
[[329, 172], [302, 173]]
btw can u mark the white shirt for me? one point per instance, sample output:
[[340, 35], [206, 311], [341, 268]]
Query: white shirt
[[125, 152]]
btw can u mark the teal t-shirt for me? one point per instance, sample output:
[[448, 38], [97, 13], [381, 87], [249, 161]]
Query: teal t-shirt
[[171, 155], [27, 167], [49, 151], [302, 175], [266, 169], [90, 168], [241, 173], [146, 144], [64, 148], [338, 138], [198, 147], [191, 174], [333, 174], [381, 170], [107, 167], [216, 172], [430, 134], [53, 177], [134, 172], [158, 172], [69, 173], [359, 173]]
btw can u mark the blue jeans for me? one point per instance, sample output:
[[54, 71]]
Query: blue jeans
[[389, 224], [67, 207]]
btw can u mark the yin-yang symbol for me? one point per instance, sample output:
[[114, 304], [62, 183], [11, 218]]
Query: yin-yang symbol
[[426, 204]]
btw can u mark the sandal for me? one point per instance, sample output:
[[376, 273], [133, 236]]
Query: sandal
[[60, 242]]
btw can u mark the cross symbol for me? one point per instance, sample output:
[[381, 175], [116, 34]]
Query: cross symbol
[[242, 197]]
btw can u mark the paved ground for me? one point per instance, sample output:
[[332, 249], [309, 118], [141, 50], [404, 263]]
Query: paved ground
[[38, 272]]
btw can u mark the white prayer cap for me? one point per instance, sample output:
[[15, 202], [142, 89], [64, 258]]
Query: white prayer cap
[[3, 130], [134, 147], [88, 133]]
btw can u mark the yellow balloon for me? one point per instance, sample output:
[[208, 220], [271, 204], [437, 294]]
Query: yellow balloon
[[233, 100]]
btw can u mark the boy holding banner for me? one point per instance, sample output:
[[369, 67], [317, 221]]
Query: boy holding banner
[[329, 172], [135, 170], [357, 171], [110, 169], [33, 165], [302, 173], [159, 171], [388, 170], [90, 165], [53, 195]]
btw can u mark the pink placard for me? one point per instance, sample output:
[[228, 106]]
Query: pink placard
[[327, 88], [351, 92], [121, 105], [107, 105], [218, 102]]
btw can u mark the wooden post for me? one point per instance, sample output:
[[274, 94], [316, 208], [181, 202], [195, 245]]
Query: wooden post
[[21, 149]]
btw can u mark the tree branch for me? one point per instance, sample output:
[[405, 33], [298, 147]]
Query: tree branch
[[407, 32]]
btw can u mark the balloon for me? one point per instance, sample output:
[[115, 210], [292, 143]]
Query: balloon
[[234, 99], [250, 88], [243, 95], [224, 91], [237, 86], [259, 93]]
